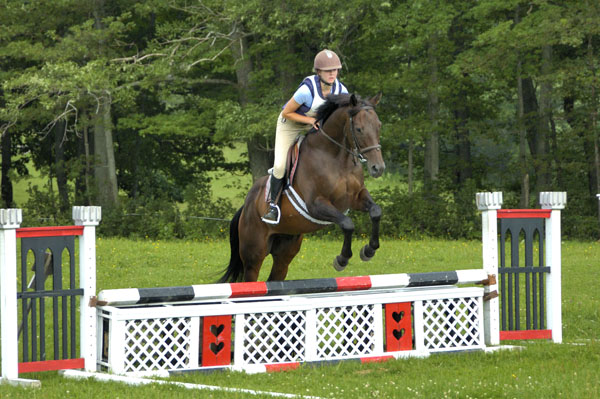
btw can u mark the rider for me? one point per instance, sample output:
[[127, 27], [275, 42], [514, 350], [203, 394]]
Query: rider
[[298, 116]]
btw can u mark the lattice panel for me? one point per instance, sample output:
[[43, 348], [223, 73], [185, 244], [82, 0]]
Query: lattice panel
[[274, 337], [345, 331], [157, 344], [451, 323]]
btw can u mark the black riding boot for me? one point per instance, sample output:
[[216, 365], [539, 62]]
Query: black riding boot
[[273, 214]]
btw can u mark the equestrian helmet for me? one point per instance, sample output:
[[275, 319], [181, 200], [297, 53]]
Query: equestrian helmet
[[327, 60]]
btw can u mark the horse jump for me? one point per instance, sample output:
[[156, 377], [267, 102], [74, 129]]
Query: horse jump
[[370, 315]]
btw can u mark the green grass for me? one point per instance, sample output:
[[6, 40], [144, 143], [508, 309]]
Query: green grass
[[540, 370], [20, 186]]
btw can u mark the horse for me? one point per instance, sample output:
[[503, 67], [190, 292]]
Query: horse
[[329, 180]]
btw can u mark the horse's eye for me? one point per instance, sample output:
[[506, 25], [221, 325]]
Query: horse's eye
[[359, 129]]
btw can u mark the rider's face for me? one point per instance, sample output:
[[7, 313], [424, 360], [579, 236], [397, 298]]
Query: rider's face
[[328, 76]]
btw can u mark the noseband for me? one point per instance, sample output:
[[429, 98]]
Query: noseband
[[357, 153]]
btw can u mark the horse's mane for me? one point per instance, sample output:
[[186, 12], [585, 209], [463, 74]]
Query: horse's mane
[[333, 102]]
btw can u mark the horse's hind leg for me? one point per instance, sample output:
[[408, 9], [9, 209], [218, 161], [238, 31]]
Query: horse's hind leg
[[253, 251], [283, 248]]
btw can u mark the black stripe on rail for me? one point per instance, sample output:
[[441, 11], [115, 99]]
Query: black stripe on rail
[[165, 294], [432, 279], [294, 287]]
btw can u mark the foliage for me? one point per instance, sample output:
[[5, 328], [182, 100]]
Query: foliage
[[175, 83]]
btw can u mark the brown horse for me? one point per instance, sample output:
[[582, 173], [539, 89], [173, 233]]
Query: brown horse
[[329, 179]]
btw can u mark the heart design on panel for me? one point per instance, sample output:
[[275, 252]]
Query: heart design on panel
[[216, 331], [216, 348], [397, 316], [398, 333]]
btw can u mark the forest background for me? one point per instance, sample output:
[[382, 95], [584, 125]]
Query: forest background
[[132, 105]]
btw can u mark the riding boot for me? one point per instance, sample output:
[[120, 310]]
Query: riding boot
[[273, 214]]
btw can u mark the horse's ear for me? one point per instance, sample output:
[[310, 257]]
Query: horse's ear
[[375, 99], [353, 100]]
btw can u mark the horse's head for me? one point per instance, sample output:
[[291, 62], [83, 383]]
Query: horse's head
[[364, 126]]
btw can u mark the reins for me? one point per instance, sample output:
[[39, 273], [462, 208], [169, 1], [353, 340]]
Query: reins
[[358, 153]]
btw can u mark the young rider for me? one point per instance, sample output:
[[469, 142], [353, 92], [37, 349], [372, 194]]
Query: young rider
[[298, 116]]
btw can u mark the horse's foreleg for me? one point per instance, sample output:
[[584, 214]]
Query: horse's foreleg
[[368, 251], [341, 261], [326, 211]]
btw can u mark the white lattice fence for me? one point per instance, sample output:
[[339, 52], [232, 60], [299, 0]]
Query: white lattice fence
[[452, 324], [286, 330], [271, 337], [348, 331], [157, 344]]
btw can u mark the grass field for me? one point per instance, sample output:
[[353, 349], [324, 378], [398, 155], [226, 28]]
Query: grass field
[[540, 370]]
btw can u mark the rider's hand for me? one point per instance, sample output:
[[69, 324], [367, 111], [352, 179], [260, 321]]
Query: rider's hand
[[315, 124]]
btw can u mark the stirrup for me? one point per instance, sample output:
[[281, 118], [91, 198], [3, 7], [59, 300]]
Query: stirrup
[[269, 217]]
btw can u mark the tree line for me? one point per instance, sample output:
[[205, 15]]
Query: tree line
[[119, 103]]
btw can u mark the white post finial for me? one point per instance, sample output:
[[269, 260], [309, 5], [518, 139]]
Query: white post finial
[[554, 201], [488, 201], [488, 204], [89, 217], [10, 218]]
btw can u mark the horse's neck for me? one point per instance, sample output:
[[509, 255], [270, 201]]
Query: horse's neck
[[334, 128]]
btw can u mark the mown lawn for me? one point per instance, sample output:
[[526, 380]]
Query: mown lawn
[[540, 370]]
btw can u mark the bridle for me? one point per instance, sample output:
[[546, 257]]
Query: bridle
[[357, 152]]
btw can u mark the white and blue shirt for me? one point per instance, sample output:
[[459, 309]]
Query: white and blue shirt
[[310, 96]]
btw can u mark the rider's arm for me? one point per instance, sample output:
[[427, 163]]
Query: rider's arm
[[289, 112]]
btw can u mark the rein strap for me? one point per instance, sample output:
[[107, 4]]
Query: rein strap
[[359, 152]]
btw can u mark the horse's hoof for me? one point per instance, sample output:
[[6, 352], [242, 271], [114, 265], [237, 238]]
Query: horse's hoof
[[339, 263], [367, 253]]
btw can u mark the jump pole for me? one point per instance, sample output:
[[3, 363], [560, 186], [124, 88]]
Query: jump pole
[[208, 292]]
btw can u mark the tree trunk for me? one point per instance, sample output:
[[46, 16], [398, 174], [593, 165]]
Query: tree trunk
[[258, 156], [82, 182], [105, 174], [7, 188], [137, 175], [523, 164], [593, 123], [411, 147], [432, 142], [464, 169], [542, 152], [59, 166]]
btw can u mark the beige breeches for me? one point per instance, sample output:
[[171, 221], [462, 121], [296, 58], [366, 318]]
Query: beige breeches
[[286, 133]]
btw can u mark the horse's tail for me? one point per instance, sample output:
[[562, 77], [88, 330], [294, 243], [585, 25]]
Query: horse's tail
[[235, 269]]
